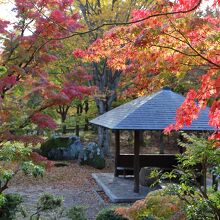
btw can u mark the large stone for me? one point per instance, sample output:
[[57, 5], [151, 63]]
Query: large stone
[[92, 155], [62, 148], [145, 178]]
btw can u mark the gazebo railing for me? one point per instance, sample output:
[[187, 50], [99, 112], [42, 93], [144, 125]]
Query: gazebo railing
[[125, 162], [166, 162]]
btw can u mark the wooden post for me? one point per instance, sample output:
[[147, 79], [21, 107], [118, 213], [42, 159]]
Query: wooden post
[[136, 160], [117, 150], [181, 150], [215, 182], [161, 143]]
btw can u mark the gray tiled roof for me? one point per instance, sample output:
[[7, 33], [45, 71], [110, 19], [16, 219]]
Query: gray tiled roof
[[153, 112]]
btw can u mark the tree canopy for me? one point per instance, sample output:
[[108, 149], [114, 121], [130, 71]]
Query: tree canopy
[[168, 38], [155, 43]]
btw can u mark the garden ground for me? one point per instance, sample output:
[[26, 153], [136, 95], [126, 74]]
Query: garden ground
[[73, 182]]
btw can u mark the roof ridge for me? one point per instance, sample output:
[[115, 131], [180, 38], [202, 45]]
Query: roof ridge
[[149, 96]]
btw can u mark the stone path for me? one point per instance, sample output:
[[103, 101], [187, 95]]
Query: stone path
[[119, 189]]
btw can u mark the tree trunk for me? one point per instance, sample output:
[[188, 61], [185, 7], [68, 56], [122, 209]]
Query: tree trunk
[[104, 139], [86, 109], [77, 130], [64, 129], [103, 133], [63, 119], [62, 110], [107, 81], [79, 110]]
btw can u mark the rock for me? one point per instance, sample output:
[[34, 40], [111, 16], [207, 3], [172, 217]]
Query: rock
[[92, 155], [62, 148], [145, 176]]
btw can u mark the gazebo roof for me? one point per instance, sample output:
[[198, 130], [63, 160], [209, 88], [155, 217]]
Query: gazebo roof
[[154, 112]]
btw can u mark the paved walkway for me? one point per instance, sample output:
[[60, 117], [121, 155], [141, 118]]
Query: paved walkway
[[119, 189]]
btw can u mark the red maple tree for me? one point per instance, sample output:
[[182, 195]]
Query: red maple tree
[[169, 37]]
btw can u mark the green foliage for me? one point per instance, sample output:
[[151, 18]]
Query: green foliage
[[97, 162], [198, 151], [6, 175], [109, 214], [35, 100], [9, 206], [49, 205], [199, 158], [2, 200], [3, 70], [77, 212], [29, 168], [15, 151], [19, 153], [87, 136], [149, 176], [49, 202]]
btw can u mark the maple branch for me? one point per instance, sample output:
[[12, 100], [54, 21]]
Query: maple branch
[[16, 45], [5, 186], [174, 37], [174, 49], [130, 22], [48, 18], [191, 47], [40, 109], [34, 53], [199, 54]]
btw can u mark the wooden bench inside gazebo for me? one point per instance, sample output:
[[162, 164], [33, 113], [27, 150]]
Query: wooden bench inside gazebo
[[155, 113]]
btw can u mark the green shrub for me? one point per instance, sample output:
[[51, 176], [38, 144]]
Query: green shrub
[[201, 201], [10, 206], [49, 202], [109, 214], [98, 162], [77, 213]]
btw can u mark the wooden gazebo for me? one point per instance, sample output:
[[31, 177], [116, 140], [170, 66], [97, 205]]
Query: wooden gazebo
[[154, 112]]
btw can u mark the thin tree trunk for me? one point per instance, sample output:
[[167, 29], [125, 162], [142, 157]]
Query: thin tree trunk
[[86, 109], [62, 110], [77, 130], [64, 129], [79, 112]]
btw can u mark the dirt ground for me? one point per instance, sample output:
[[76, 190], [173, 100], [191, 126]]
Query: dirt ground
[[73, 182]]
